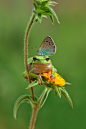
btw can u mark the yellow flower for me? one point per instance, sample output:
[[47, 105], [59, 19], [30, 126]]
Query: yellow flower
[[58, 79]]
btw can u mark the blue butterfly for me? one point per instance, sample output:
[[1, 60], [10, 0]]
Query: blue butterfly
[[47, 47]]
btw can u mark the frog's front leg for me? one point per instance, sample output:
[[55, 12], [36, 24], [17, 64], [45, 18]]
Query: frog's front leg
[[33, 75]]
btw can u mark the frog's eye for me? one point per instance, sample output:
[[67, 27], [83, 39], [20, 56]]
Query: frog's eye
[[47, 59], [34, 58]]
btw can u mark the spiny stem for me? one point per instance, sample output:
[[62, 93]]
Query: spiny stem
[[26, 49]]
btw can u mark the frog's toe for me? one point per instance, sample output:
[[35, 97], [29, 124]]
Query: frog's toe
[[52, 79], [40, 80]]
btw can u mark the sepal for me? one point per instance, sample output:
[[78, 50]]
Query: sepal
[[67, 96], [44, 96], [67, 83], [52, 3], [34, 83], [37, 2], [57, 91], [54, 14]]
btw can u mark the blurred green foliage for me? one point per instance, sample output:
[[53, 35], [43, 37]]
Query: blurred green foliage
[[70, 61]]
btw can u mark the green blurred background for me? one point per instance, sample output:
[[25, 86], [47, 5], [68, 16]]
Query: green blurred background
[[70, 61]]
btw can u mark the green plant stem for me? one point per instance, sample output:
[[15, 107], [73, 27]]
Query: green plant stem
[[35, 110], [34, 114], [26, 49]]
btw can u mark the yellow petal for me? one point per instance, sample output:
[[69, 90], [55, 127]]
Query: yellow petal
[[58, 79]]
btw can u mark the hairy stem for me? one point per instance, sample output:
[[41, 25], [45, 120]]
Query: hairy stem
[[34, 114], [35, 110], [26, 49]]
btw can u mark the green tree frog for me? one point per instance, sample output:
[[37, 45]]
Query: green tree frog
[[38, 65]]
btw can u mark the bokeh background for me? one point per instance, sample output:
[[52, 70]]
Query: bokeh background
[[70, 61]]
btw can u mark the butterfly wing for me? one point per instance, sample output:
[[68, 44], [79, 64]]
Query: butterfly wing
[[47, 47]]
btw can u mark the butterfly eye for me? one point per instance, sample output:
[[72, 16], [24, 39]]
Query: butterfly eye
[[47, 59], [34, 58]]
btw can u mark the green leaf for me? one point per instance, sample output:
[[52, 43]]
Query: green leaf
[[39, 18], [46, 9], [47, 13], [34, 83], [35, 5], [67, 83], [44, 3], [36, 19], [52, 19], [66, 95], [55, 93], [52, 3], [39, 11], [57, 89], [20, 100], [44, 96], [34, 11], [54, 14], [37, 2], [44, 16]]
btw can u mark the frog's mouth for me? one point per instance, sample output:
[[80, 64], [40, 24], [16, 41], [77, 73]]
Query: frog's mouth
[[41, 64], [41, 67]]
